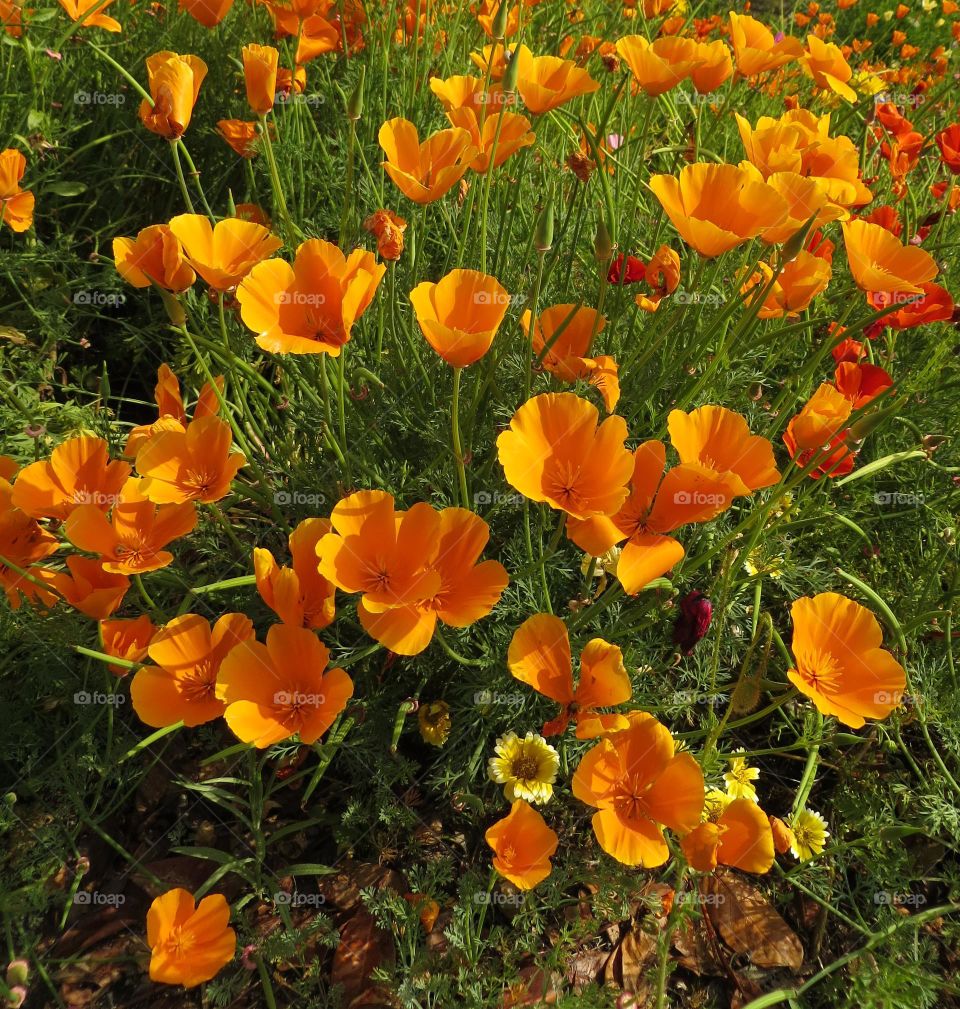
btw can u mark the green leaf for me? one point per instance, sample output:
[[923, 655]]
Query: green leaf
[[66, 188], [880, 464]]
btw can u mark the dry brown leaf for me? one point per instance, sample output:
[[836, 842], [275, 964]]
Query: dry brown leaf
[[585, 967], [747, 922], [342, 890], [628, 965], [362, 948], [535, 988]]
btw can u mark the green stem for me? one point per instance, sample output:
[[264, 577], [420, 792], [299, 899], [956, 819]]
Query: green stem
[[455, 432]]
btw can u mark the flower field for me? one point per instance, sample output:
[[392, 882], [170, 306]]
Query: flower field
[[478, 504]]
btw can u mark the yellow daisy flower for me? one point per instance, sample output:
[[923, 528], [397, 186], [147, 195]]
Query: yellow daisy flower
[[809, 834], [527, 767], [714, 803], [738, 779]]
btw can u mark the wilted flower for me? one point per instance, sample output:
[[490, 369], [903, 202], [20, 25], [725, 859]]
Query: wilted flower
[[434, 721], [693, 621]]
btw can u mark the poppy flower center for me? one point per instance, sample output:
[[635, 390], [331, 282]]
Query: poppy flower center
[[199, 481], [820, 671], [180, 942], [199, 683], [561, 484]]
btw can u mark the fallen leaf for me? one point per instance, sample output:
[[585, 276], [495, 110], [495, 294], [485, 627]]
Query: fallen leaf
[[628, 965], [747, 922], [362, 948], [342, 889]]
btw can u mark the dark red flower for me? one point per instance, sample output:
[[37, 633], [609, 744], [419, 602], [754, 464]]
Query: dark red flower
[[636, 271], [696, 612]]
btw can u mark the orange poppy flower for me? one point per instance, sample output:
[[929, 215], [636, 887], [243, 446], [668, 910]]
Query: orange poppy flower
[[260, 76], [131, 541], [225, 253], [189, 942], [426, 171], [661, 65], [87, 586], [77, 11], [240, 135], [12, 17], [23, 542], [715, 65], [208, 12], [824, 62], [562, 336], [78, 472], [522, 845], [463, 92], [720, 440], [311, 306], [800, 281], [126, 639], [657, 505], [716, 207], [318, 36], [174, 84], [840, 664], [299, 594], [460, 314], [838, 462], [412, 568], [639, 784], [754, 48], [777, 145], [822, 418], [515, 133], [860, 382], [282, 688], [195, 464], [16, 204], [806, 198], [494, 57], [539, 656], [181, 687], [546, 82], [740, 837], [948, 141], [555, 451], [934, 304], [879, 262], [155, 256], [171, 413], [662, 274]]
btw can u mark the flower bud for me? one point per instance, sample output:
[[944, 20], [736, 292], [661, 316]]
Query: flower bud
[[602, 244], [696, 612], [355, 104], [543, 235], [18, 972], [499, 27], [171, 303]]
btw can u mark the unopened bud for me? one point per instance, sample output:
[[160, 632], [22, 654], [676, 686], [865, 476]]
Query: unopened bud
[[793, 246], [602, 244], [175, 312], [543, 235], [499, 26], [355, 105], [510, 75]]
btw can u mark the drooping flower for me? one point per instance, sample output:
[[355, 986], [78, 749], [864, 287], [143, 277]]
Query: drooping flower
[[133, 539], [740, 837], [527, 768], [155, 256], [16, 204], [433, 719], [809, 830], [388, 228], [225, 253], [562, 338], [78, 472], [174, 84], [539, 655], [242, 136], [555, 451], [187, 654], [194, 464], [639, 785], [840, 664], [282, 688], [523, 845], [189, 942], [311, 306], [716, 207], [298, 594], [460, 314], [425, 171]]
